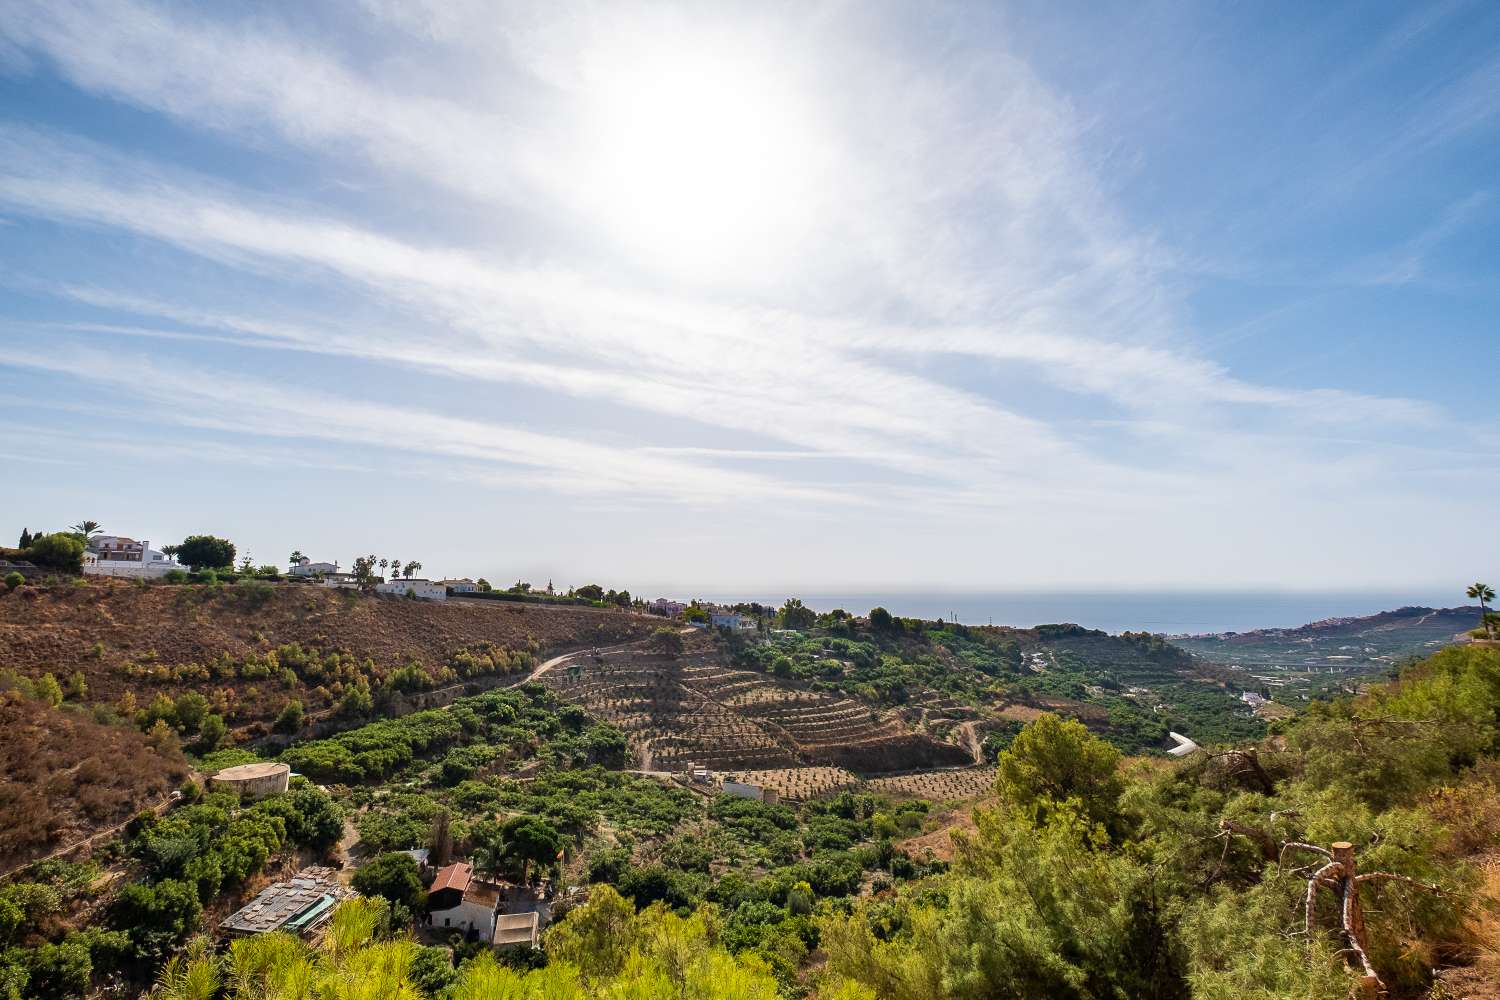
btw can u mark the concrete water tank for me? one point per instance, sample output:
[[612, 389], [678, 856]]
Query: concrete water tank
[[254, 781]]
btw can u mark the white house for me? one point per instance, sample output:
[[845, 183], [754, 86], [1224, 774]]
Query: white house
[[464, 586], [427, 590], [730, 620], [306, 567], [458, 901], [343, 581], [116, 555]]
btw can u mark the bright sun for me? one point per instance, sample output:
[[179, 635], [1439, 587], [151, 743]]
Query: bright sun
[[703, 162]]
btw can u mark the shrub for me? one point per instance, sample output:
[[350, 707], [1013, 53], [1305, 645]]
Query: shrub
[[13, 580], [58, 551], [290, 719], [394, 877]]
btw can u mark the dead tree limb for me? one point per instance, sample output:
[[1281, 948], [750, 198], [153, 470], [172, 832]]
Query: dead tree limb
[[1262, 839], [1340, 877]]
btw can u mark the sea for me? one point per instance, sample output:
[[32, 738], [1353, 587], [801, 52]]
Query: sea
[[1166, 612]]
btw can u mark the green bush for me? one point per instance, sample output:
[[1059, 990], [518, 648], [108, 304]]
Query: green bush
[[13, 580], [59, 551]]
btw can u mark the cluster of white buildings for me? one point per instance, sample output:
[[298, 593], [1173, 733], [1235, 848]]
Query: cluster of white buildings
[[717, 617]]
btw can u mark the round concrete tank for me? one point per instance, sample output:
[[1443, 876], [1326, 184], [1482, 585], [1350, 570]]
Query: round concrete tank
[[253, 781]]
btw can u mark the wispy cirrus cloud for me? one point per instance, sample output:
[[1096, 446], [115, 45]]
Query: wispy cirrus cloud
[[902, 279]]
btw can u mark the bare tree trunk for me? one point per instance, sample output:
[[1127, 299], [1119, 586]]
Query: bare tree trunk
[[1353, 914]]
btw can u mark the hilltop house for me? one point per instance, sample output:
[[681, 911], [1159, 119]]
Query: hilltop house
[[427, 590], [306, 567], [116, 555], [464, 586], [666, 608], [730, 619]]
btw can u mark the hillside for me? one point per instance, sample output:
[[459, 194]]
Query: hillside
[[64, 776], [252, 647], [1325, 654], [965, 683]]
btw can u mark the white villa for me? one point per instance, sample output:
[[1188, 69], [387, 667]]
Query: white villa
[[116, 555], [306, 567], [427, 590], [464, 586], [730, 620]]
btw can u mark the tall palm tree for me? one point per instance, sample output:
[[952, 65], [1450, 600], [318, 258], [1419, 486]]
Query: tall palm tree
[[87, 529], [383, 564], [1483, 592], [296, 557], [411, 568]]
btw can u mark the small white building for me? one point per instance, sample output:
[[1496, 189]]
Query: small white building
[[342, 581], [463, 586], [427, 590], [458, 901], [725, 619], [745, 790], [306, 567]]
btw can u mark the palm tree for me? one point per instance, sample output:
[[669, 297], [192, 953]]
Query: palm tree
[[411, 568], [1483, 592], [383, 564], [87, 529], [296, 557]]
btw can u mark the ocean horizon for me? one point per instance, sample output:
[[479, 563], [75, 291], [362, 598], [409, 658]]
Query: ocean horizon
[[1167, 612]]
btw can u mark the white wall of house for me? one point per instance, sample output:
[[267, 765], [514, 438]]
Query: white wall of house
[[743, 790], [465, 916], [154, 566], [309, 568], [427, 590], [461, 586]]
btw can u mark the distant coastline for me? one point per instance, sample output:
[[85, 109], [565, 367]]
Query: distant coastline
[[1169, 612]]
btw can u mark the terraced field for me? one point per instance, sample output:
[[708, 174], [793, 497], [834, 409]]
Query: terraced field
[[959, 783], [686, 709], [803, 783]]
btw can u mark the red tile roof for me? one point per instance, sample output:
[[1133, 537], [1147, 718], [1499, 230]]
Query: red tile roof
[[455, 876]]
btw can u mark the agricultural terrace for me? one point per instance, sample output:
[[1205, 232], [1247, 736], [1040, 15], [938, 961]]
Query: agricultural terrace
[[690, 708]]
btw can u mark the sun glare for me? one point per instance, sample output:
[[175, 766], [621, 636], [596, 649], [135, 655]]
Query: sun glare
[[701, 162]]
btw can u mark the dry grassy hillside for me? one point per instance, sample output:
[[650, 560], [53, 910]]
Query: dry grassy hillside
[[64, 776], [166, 639]]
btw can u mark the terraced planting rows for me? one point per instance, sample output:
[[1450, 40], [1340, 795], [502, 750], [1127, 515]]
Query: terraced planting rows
[[958, 783], [803, 783], [693, 709]]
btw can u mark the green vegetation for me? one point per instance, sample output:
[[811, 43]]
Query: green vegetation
[[60, 551], [206, 552], [1169, 885], [13, 580], [496, 726], [1139, 685], [180, 863]]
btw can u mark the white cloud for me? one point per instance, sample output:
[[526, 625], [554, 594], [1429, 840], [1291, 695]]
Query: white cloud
[[943, 311]]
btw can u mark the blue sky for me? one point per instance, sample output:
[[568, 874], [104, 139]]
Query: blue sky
[[713, 295]]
